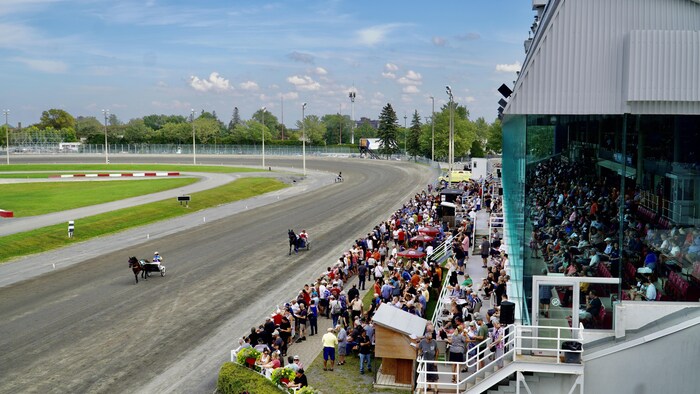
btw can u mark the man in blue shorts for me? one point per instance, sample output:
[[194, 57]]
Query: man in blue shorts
[[330, 341]]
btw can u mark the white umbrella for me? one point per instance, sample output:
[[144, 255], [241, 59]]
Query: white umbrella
[[644, 270]]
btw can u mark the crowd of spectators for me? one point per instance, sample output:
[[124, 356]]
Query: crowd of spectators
[[404, 283], [576, 231]]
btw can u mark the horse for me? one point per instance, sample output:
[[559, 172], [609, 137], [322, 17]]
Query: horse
[[136, 266], [293, 241]]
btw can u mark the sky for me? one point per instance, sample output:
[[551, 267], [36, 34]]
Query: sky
[[144, 57]]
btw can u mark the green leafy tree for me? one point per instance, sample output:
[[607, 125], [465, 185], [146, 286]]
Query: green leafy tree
[[477, 150], [136, 132], [495, 137], [156, 122], [271, 123], [388, 130], [337, 128], [414, 136], [365, 130], [207, 129], [315, 130], [173, 133], [87, 127], [57, 119]]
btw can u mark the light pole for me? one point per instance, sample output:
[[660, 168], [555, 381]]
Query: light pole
[[194, 145], [432, 124], [451, 147], [263, 135], [6, 112], [352, 129], [105, 112], [405, 134], [303, 136]]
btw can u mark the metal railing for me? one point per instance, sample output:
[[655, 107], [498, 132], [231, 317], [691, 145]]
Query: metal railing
[[443, 251], [518, 340]]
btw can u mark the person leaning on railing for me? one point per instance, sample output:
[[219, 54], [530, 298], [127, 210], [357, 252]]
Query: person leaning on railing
[[458, 345]]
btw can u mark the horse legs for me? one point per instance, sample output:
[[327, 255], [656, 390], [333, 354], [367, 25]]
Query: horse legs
[[136, 275], [290, 248]]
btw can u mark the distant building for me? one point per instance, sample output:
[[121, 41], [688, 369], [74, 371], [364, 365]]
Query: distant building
[[373, 123]]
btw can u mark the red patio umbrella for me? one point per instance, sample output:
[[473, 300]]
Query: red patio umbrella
[[432, 231], [422, 238], [411, 254]]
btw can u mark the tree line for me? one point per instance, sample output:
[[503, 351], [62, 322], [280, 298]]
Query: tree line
[[475, 138]]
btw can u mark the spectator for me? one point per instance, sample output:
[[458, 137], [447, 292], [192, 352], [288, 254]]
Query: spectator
[[342, 343], [299, 380], [329, 342], [365, 349]]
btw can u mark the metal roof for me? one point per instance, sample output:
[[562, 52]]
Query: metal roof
[[612, 57], [398, 320]]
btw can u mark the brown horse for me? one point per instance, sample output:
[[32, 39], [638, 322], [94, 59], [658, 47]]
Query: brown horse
[[135, 266]]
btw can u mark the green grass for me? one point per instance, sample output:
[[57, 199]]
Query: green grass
[[31, 199], [52, 237], [59, 168]]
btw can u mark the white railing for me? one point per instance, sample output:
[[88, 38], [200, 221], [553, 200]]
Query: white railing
[[444, 249], [518, 340]]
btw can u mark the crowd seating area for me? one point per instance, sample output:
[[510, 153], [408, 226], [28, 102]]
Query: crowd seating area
[[576, 231]]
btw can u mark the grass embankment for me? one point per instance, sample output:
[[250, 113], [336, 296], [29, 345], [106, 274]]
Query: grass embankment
[[52, 237], [31, 199]]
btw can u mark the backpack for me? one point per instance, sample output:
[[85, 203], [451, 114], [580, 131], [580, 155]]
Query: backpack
[[335, 307]]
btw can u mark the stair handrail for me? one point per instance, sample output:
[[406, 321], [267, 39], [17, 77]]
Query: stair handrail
[[513, 346]]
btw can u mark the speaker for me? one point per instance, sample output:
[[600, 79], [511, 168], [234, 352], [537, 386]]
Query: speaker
[[507, 312]]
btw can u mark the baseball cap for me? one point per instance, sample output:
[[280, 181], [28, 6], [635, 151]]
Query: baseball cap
[[296, 357]]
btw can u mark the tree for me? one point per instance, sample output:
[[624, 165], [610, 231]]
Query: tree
[[156, 122], [414, 136], [365, 130], [387, 131], [270, 123], [56, 118], [337, 128], [495, 137], [136, 132], [87, 127], [113, 120], [314, 129], [235, 120]]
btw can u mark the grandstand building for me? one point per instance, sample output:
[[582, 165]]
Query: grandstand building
[[609, 91]]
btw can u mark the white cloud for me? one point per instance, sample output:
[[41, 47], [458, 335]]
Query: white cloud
[[249, 85], [375, 34], [470, 99], [439, 41], [215, 83], [411, 89], [391, 67], [411, 78], [46, 66], [320, 71], [389, 75], [508, 68], [289, 95], [304, 83]]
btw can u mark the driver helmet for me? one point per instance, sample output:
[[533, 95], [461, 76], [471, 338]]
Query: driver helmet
[[156, 253]]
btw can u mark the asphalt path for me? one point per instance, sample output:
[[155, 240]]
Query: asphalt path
[[89, 328]]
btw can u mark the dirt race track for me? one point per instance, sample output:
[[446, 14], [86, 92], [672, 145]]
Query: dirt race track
[[89, 328]]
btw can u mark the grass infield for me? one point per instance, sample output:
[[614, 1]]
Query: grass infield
[[52, 237], [71, 168], [31, 199]]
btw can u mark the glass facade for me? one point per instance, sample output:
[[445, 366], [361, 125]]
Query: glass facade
[[633, 180]]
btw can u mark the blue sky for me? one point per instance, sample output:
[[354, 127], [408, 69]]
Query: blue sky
[[154, 56]]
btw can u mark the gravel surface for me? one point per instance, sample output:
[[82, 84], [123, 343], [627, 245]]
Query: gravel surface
[[89, 328]]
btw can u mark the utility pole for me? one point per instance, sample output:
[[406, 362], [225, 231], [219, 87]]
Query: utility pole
[[194, 146], [432, 124], [352, 103], [303, 136], [6, 112], [105, 112]]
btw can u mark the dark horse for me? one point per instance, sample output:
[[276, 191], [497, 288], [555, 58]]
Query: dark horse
[[136, 266], [293, 241]]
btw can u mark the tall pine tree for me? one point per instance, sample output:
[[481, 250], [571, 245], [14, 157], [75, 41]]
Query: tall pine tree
[[414, 136], [387, 131], [235, 120]]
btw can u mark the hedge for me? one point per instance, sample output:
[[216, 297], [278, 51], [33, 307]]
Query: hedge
[[235, 379]]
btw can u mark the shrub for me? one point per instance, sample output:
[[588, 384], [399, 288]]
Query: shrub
[[235, 379], [282, 373], [307, 390]]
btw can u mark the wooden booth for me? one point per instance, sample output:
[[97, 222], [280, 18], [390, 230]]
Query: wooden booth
[[394, 330]]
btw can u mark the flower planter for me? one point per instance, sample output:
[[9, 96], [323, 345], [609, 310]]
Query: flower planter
[[250, 362]]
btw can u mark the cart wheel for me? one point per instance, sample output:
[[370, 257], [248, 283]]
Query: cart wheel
[[162, 271]]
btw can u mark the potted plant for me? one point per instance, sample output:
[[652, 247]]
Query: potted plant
[[282, 376], [247, 356]]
